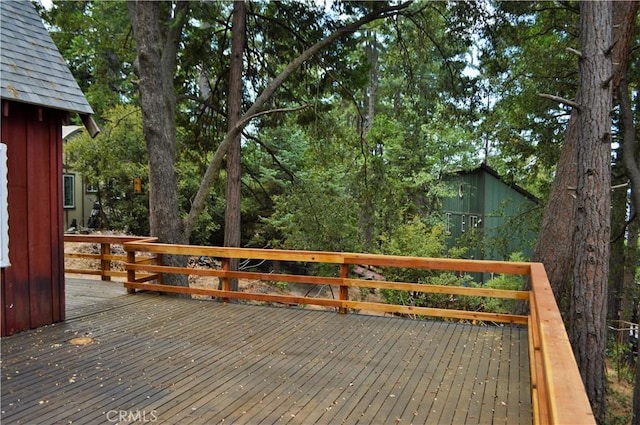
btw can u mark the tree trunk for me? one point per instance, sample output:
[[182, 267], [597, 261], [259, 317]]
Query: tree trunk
[[636, 396], [555, 244], [367, 208], [588, 330], [619, 207], [156, 69], [630, 149], [632, 294], [630, 159], [554, 247], [372, 56], [233, 219]]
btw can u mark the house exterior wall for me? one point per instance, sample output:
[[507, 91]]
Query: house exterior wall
[[481, 200], [83, 198], [464, 209], [83, 202], [505, 212], [32, 288]]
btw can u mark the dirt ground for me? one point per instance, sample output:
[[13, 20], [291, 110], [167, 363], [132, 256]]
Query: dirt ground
[[619, 396]]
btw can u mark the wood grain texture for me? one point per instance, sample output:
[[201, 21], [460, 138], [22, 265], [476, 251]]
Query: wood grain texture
[[555, 387], [33, 287], [200, 362]]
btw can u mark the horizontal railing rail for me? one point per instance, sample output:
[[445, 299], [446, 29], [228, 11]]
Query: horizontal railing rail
[[108, 264], [558, 395], [343, 281]]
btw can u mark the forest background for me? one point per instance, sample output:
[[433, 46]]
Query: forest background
[[330, 126]]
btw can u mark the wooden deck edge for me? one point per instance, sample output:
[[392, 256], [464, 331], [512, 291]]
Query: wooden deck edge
[[564, 391]]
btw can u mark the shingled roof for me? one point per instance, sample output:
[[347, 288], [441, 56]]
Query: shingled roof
[[31, 67]]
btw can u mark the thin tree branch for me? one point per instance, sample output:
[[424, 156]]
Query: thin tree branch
[[559, 100], [244, 121], [574, 51], [214, 166], [274, 156], [623, 232], [620, 186]]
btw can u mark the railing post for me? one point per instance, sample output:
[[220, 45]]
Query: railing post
[[131, 273], [344, 290], [105, 264], [226, 282]]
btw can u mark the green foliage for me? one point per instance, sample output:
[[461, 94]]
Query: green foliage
[[330, 176], [421, 299], [110, 162], [417, 239], [207, 230], [523, 53], [469, 303], [621, 356], [315, 214], [95, 39], [507, 282]]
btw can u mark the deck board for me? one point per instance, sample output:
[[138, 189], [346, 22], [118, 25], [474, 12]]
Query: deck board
[[197, 362]]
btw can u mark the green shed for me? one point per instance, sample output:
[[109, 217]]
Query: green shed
[[488, 214]]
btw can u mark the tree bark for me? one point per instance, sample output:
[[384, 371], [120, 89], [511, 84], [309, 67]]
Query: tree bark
[[619, 206], [233, 215], [632, 261], [554, 247], [588, 330], [367, 209], [636, 396], [156, 68], [555, 244]]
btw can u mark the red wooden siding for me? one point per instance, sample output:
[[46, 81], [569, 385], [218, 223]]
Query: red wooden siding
[[33, 286]]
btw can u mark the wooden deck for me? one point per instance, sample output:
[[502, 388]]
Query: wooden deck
[[167, 360]]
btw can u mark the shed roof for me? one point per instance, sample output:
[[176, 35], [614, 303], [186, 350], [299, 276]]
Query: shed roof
[[485, 168], [32, 69]]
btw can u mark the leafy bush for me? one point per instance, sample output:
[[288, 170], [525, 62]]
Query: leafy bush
[[110, 162], [448, 301], [425, 242], [419, 239]]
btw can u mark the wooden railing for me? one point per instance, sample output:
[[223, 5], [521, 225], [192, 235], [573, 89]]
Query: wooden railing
[[558, 395], [103, 262]]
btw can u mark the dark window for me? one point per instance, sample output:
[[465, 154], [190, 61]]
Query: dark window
[[68, 192]]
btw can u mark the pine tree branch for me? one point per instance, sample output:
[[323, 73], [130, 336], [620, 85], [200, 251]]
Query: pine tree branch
[[213, 168], [244, 121], [559, 100], [574, 51]]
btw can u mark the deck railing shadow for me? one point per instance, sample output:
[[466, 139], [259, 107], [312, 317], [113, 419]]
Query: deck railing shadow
[[558, 395]]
